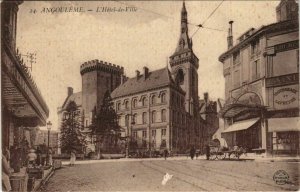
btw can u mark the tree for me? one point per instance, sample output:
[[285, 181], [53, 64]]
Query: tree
[[70, 137], [105, 128]]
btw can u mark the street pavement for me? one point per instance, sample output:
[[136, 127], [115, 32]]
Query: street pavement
[[188, 175]]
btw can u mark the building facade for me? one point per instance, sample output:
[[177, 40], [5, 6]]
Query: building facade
[[157, 109], [261, 74], [23, 108]]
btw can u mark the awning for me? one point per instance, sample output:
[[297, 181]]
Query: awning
[[284, 124], [241, 125]]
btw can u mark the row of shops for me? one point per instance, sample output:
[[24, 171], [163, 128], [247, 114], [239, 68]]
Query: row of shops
[[23, 108], [261, 110]]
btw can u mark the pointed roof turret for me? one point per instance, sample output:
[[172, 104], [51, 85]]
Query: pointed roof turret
[[184, 42]]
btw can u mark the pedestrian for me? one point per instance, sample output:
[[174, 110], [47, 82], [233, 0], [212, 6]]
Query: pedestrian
[[192, 153], [39, 156], [72, 158], [7, 154], [207, 152], [166, 153], [5, 174], [197, 154]]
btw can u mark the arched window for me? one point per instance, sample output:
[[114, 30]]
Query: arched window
[[134, 103], [153, 117], [179, 77], [144, 117], [134, 119], [126, 104], [127, 120], [153, 99], [118, 106], [144, 101], [163, 97], [163, 115]]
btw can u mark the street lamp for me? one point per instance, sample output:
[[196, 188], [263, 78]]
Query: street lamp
[[49, 124], [127, 139]]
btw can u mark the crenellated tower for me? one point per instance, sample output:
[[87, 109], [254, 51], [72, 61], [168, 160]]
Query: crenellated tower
[[184, 66], [97, 78]]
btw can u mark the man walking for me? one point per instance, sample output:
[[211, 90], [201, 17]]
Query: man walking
[[165, 154], [207, 152], [192, 153]]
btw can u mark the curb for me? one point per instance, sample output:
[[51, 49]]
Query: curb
[[44, 181]]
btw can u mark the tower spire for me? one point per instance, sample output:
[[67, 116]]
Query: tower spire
[[184, 42]]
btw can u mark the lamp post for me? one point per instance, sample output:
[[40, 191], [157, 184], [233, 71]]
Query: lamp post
[[49, 124], [127, 139]]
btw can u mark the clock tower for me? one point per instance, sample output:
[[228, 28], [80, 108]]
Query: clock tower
[[184, 65]]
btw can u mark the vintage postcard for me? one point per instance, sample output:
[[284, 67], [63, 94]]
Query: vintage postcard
[[150, 95]]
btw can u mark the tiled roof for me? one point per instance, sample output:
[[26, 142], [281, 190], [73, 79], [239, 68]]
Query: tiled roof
[[76, 97], [155, 79]]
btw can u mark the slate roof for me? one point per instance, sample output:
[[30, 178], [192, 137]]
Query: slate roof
[[76, 97], [155, 79]]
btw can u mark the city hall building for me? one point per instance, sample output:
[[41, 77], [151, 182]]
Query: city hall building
[[157, 109], [261, 74]]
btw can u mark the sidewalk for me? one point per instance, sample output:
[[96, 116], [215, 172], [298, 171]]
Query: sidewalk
[[40, 182], [250, 157]]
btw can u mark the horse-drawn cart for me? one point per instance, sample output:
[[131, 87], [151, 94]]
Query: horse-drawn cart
[[225, 153]]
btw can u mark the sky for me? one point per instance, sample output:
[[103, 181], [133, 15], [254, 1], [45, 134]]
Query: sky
[[132, 39]]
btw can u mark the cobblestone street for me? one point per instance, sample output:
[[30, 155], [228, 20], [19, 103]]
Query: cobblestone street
[[188, 175]]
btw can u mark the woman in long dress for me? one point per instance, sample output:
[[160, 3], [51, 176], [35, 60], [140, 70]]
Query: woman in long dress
[[72, 158]]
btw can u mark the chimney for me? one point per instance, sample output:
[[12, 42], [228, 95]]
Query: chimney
[[137, 74], [70, 91], [206, 97], [146, 72], [230, 37], [123, 79]]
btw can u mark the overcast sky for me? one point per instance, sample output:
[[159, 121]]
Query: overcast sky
[[147, 37]]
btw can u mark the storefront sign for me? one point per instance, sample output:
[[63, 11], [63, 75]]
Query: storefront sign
[[286, 46], [282, 80], [286, 97]]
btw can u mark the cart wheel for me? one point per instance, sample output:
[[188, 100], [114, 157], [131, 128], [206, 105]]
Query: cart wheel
[[221, 155], [213, 154], [235, 155]]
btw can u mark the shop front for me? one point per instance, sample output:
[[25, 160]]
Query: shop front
[[246, 134], [285, 135]]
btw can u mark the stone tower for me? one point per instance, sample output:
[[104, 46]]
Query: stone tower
[[184, 66], [97, 78]]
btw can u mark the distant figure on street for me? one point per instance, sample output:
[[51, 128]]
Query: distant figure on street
[[7, 154], [166, 153], [197, 154], [192, 152], [39, 156], [72, 158], [207, 152]]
